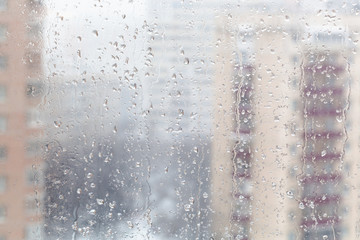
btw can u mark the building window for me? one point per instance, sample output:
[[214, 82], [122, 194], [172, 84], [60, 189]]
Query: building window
[[3, 181], [34, 89], [33, 59], [35, 3], [3, 62], [3, 5], [3, 33], [3, 153], [33, 149], [31, 205], [2, 214], [34, 177], [3, 124], [2, 93], [33, 118], [34, 29], [34, 232]]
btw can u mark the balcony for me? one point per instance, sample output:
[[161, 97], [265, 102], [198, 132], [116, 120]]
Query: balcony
[[325, 158], [321, 200], [324, 68], [240, 218], [330, 91], [321, 178], [334, 220], [325, 135]]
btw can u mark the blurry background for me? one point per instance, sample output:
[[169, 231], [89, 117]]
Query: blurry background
[[181, 119]]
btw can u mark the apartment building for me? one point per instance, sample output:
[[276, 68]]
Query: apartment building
[[20, 126], [285, 144]]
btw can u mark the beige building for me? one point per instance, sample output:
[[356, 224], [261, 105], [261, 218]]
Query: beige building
[[20, 93], [285, 146]]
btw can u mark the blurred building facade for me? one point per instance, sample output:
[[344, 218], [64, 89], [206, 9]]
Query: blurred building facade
[[282, 125], [180, 67], [20, 126]]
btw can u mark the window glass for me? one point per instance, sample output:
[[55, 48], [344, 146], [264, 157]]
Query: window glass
[[33, 232], [2, 214], [182, 119], [3, 124], [2, 184], [3, 5], [3, 153], [2, 93], [3, 62], [3, 32]]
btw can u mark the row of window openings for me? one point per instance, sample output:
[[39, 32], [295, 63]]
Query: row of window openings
[[31, 3], [32, 231], [32, 90], [31, 207], [31, 59], [32, 150], [33, 120], [33, 178]]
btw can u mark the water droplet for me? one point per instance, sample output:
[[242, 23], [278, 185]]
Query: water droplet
[[100, 201], [181, 112], [92, 212], [89, 175], [205, 195], [78, 191], [187, 207], [301, 206], [325, 237], [186, 61], [323, 153], [290, 194], [130, 224], [112, 204], [96, 32], [339, 119], [57, 124]]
